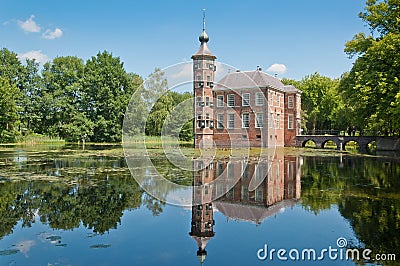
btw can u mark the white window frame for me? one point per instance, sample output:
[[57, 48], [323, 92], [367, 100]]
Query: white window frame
[[278, 100], [228, 100], [278, 121], [271, 99], [259, 99], [231, 115], [243, 120], [220, 121], [290, 121], [290, 102], [271, 120], [257, 120], [245, 99], [220, 103]]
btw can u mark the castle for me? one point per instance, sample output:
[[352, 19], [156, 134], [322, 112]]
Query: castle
[[244, 109]]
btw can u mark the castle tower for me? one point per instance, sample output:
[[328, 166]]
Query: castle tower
[[203, 77], [202, 225]]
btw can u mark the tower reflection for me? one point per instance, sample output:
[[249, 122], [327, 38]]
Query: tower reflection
[[244, 190]]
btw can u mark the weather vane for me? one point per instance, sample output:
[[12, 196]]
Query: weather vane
[[204, 18]]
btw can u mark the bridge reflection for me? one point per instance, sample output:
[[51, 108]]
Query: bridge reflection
[[243, 190]]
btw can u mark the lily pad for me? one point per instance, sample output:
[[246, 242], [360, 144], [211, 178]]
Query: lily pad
[[8, 252], [100, 246]]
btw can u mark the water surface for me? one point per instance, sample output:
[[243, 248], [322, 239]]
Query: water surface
[[63, 206]]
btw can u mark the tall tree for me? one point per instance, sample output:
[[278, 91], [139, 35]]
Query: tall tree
[[62, 99], [8, 110], [108, 88], [159, 102], [319, 101], [371, 88]]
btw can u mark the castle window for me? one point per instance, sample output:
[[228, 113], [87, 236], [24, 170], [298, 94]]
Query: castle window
[[231, 100], [231, 170], [246, 99], [259, 193], [231, 120], [220, 121], [259, 120], [290, 102], [290, 121], [271, 120], [259, 99], [278, 121], [245, 120], [220, 101]]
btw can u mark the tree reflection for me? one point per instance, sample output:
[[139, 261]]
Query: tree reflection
[[366, 193]]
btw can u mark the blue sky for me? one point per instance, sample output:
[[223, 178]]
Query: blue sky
[[303, 35]]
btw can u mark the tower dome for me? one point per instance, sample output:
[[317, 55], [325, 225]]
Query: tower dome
[[203, 36]]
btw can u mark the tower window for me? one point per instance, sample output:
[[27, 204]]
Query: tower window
[[259, 99], [220, 101], [231, 100], [290, 102], [246, 99], [271, 120], [278, 121], [207, 101], [208, 78], [198, 78], [245, 120], [290, 121]]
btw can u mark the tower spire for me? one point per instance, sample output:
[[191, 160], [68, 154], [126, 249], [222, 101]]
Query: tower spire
[[203, 36], [204, 19]]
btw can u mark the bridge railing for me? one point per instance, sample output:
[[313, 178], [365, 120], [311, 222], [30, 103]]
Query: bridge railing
[[323, 132], [335, 132]]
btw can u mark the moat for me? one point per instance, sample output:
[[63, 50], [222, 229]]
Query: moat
[[60, 205]]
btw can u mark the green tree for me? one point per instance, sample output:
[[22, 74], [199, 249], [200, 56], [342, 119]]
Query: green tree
[[107, 91], [319, 101], [371, 88], [159, 102], [8, 110], [62, 99]]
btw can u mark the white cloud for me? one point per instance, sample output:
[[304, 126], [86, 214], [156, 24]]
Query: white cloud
[[184, 71], [29, 25], [34, 54], [25, 246], [51, 35], [277, 68]]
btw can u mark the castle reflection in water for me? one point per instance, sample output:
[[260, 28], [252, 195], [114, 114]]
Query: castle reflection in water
[[243, 190]]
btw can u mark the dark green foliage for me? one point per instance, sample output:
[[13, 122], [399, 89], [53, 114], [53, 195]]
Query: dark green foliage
[[74, 100], [371, 88]]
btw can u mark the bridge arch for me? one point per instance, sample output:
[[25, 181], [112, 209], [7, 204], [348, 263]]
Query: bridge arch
[[352, 140], [327, 140], [303, 144]]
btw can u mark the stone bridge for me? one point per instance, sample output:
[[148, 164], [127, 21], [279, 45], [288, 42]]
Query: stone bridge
[[340, 141]]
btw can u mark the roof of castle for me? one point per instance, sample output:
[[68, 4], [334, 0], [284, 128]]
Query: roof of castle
[[252, 79]]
